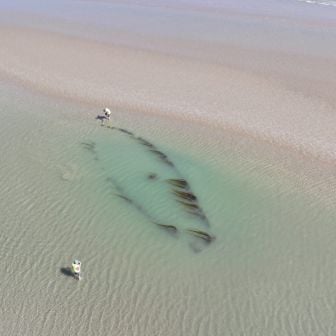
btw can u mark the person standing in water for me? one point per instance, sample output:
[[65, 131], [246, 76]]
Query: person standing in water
[[107, 113], [76, 269]]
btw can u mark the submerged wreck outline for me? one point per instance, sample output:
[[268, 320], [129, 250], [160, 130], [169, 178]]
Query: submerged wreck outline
[[181, 189]]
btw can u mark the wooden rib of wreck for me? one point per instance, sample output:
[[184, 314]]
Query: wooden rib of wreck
[[168, 227], [189, 196], [125, 131], [180, 183], [201, 234]]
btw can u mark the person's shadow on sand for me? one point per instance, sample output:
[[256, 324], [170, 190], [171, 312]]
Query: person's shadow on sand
[[66, 271], [101, 118]]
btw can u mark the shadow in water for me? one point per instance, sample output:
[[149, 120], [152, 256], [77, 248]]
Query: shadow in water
[[101, 117], [66, 271]]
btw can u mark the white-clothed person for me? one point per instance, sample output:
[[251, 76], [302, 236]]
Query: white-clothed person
[[76, 268], [107, 113]]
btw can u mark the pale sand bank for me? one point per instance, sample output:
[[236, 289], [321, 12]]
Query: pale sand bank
[[148, 81]]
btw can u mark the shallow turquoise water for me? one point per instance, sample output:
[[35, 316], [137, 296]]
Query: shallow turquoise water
[[269, 270]]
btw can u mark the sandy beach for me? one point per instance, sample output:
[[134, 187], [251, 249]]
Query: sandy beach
[[271, 101], [237, 99]]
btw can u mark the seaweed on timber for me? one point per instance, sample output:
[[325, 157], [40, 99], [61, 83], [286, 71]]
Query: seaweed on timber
[[185, 195], [154, 150], [162, 156], [195, 209], [125, 131], [171, 228], [157, 152], [190, 205], [201, 234], [145, 142], [181, 183], [125, 198], [170, 163]]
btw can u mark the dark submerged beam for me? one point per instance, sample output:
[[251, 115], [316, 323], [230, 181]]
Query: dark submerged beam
[[201, 234]]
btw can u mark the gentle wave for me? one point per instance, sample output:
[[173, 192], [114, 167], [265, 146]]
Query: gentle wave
[[319, 2]]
